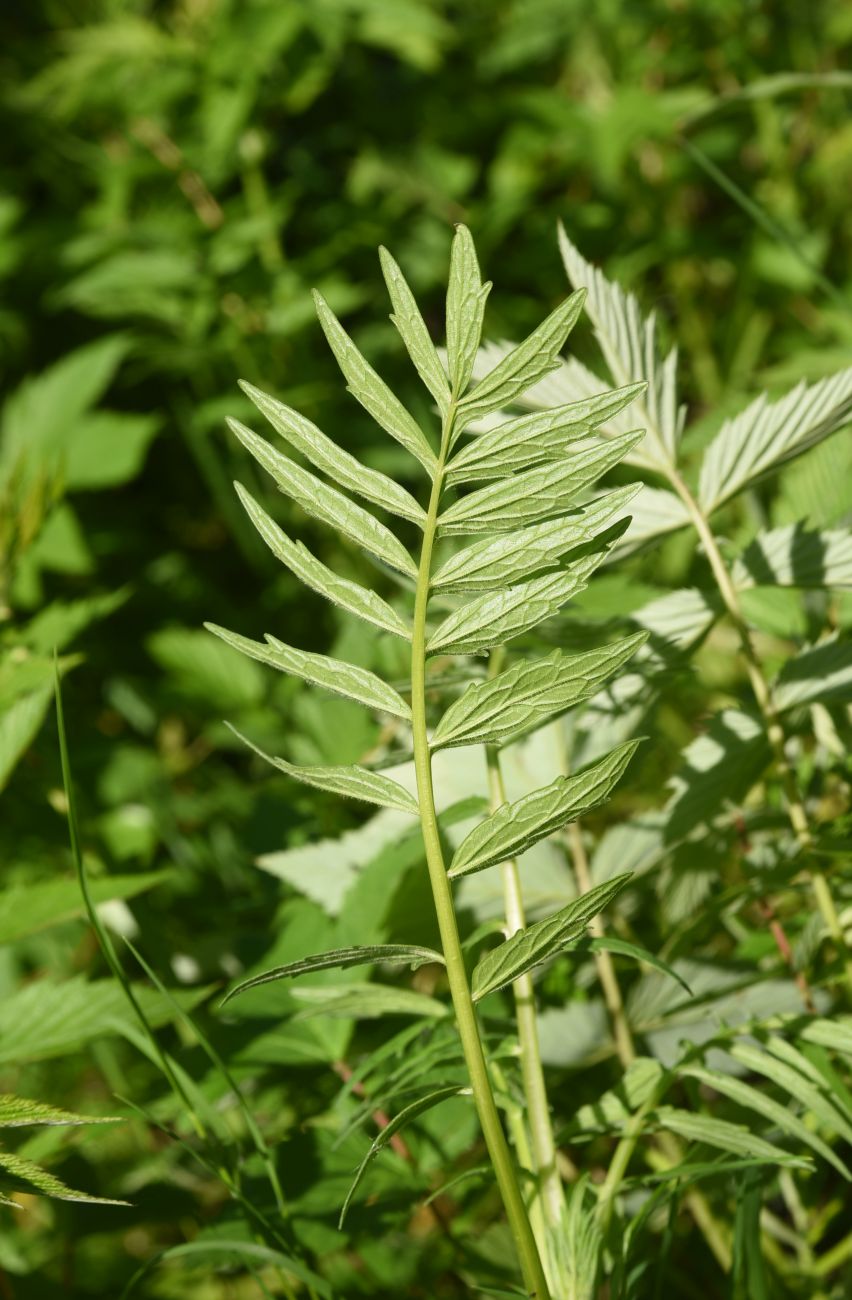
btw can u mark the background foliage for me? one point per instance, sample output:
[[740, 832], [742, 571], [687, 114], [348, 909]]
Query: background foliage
[[176, 177]]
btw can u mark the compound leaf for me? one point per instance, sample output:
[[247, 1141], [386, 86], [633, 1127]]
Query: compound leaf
[[413, 332], [466, 297], [389, 954]]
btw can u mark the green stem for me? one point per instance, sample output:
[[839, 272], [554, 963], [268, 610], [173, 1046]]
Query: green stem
[[532, 1071], [495, 1139]]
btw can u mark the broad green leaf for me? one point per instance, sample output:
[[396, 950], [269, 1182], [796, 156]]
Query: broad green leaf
[[795, 557], [544, 435], [366, 1002], [316, 575], [515, 827], [19, 725], [822, 673], [628, 342], [536, 493], [785, 1065], [680, 617], [768, 434], [351, 781], [21, 1112], [371, 391], [393, 1126], [616, 1106], [327, 456], [393, 954], [331, 674], [528, 694], [718, 766], [28, 908], [761, 1104], [326, 503], [466, 296], [413, 332], [511, 556], [529, 948], [205, 669], [202, 1248], [834, 1034], [20, 1175], [492, 620], [719, 1133], [525, 364]]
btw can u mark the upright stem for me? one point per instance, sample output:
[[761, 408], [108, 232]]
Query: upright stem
[[532, 1072], [495, 1140], [796, 811]]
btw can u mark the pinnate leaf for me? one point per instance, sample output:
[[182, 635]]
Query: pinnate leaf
[[331, 674], [515, 827], [466, 297], [326, 503], [821, 673], [719, 1133], [796, 557], [392, 954], [366, 1002], [413, 332], [20, 1175], [529, 948], [21, 1112], [371, 391]]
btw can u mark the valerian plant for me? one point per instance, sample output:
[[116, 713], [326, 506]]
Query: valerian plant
[[511, 527]]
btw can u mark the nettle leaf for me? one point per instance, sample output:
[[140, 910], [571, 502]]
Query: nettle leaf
[[466, 297], [628, 343], [351, 781], [326, 503], [21, 1112], [316, 575], [768, 434], [795, 557], [529, 694], [510, 556], [820, 674], [418, 1107], [386, 954], [719, 1133], [331, 674], [535, 494], [525, 364], [313, 444], [413, 332], [515, 827], [366, 1002], [20, 1175], [371, 391], [752, 1099], [544, 435], [493, 620], [718, 766], [529, 948]]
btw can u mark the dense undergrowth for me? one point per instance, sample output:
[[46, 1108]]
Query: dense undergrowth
[[184, 175]]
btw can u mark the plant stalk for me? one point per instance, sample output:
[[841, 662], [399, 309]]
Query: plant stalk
[[495, 1139]]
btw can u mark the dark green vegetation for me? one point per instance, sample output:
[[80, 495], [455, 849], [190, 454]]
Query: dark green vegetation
[[177, 178]]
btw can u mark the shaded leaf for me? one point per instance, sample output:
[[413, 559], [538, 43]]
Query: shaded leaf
[[20, 1175], [21, 1112], [822, 673], [720, 765], [394, 954], [366, 1002], [28, 908], [796, 557], [715, 1132]]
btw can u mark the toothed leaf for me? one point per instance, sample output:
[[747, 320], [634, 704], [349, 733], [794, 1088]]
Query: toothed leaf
[[466, 297], [413, 332], [389, 954]]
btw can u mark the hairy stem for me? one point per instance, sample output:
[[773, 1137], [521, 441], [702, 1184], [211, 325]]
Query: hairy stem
[[532, 1072], [796, 810], [495, 1140]]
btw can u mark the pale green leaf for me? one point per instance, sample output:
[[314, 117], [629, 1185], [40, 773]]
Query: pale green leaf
[[795, 557], [624, 949], [508, 557], [366, 1002], [466, 296], [529, 693], [326, 503], [654, 512], [680, 617], [316, 575], [327, 456], [820, 674], [350, 781], [393, 1126], [331, 674], [371, 391], [413, 332], [616, 1106], [785, 1065], [761, 1104], [719, 1133], [388, 954], [718, 766], [19, 725], [768, 434], [491, 620], [544, 435], [20, 1175], [525, 364], [28, 908], [515, 827], [21, 1112], [529, 948], [534, 494]]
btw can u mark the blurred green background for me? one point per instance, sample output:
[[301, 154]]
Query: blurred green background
[[174, 178]]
